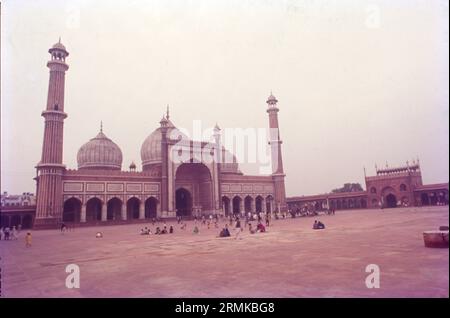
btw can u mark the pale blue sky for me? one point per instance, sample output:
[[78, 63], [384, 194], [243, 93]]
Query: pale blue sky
[[358, 82]]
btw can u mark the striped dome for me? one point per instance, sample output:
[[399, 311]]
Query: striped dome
[[100, 153]]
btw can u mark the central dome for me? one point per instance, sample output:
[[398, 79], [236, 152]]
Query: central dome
[[100, 153], [151, 147], [151, 150]]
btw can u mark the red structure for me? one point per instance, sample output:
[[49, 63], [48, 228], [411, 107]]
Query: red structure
[[99, 192], [389, 188], [50, 169]]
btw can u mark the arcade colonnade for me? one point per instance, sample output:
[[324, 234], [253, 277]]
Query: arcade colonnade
[[238, 204], [114, 209]]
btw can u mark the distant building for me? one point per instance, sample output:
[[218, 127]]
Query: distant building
[[24, 199], [389, 188]]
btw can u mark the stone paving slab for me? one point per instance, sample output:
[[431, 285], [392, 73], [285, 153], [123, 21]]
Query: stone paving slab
[[291, 260]]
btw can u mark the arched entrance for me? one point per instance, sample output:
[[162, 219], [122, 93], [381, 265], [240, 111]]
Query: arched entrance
[[391, 201], [133, 208], [72, 210], [269, 203], [226, 205], [27, 221], [197, 178], [248, 204], [425, 199], [183, 203], [151, 205], [258, 203], [15, 220], [237, 205], [114, 209], [94, 210], [4, 221], [363, 203], [433, 198]]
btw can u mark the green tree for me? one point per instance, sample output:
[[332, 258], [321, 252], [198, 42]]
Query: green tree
[[349, 187]]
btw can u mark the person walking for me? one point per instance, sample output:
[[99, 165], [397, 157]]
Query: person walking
[[28, 240]]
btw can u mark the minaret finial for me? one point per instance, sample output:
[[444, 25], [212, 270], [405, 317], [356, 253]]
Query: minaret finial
[[59, 41], [167, 115], [101, 126]]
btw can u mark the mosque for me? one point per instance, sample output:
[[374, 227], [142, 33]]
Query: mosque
[[101, 191], [181, 177]]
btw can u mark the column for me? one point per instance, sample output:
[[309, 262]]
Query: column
[[83, 213], [158, 209], [141, 211], [124, 211], [104, 212]]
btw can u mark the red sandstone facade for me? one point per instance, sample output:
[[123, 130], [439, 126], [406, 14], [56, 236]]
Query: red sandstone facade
[[389, 188], [100, 192]]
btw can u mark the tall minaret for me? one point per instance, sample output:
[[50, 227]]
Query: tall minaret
[[277, 159], [165, 165], [50, 169]]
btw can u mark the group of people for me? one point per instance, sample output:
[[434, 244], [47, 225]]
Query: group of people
[[7, 234], [158, 230], [260, 228], [318, 225]]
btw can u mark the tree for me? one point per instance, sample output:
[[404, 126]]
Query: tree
[[349, 187]]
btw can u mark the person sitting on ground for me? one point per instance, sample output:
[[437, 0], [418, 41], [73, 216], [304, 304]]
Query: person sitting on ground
[[195, 231], [183, 226], [320, 225], [227, 232], [260, 228], [164, 230], [315, 225], [171, 229], [224, 232], [142, 232], [158, 230], [250, 229]]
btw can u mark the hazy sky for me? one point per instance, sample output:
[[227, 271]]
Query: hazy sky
[[358, 82]]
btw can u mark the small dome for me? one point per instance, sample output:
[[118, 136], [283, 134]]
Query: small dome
[[271, 99], [100, 153], [59, 45], [132, 165]]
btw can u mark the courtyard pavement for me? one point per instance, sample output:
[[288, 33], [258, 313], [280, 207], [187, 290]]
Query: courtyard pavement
[[290, 260]]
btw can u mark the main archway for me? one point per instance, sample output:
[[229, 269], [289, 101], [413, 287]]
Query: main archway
[[391, 201], [195, 178], [389, 197], [183, 202]]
